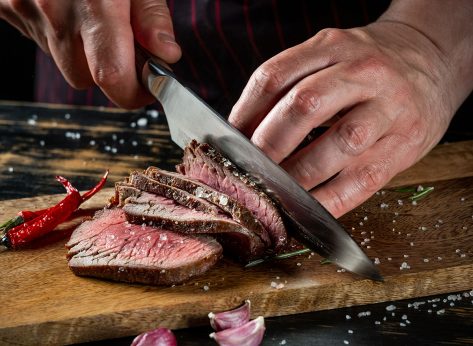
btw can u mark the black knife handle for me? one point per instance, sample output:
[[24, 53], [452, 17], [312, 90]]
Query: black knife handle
[[156, 66]]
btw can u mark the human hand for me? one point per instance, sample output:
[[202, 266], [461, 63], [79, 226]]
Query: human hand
[[386, 89], [92, 42]]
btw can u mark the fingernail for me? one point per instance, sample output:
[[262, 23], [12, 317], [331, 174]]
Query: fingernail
[[166, 38]]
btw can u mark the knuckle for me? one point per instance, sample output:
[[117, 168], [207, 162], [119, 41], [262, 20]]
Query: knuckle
[[352, 138], [372, 177], [303, 172], [337, 202], [107, 76], [304, 101], [331, 35], [372, 67], [267, 79]]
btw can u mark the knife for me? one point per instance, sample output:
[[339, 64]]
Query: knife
[[189, 117]]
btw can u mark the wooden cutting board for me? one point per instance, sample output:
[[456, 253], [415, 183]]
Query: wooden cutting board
[[42, 300]]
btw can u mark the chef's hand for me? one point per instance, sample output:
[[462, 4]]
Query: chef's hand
[[92, 41], [389, 90]]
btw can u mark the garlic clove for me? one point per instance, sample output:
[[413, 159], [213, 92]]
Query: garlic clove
[[249, 334], [232, 318], [155, 337]]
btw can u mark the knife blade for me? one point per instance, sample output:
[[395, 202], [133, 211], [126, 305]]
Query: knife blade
[[189, 117]]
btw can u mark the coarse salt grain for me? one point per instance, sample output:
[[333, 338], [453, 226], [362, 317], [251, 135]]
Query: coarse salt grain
[[153, 113], [206, 288], [364, 313], [377, 261], [391, 307], [350, 331], [347, 317], [283, 342], [377, 322], [346, 342], [10, 169], [414, 202], [441, 312]]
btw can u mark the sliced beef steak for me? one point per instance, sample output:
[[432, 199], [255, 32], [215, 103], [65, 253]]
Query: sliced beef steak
[[205, 164], [109, 247], [166, 213], [148, 184], [238, 211]]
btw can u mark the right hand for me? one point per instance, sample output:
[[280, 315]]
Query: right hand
[[92, 41]]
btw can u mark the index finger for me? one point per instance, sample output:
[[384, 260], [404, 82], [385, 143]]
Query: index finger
[[276, 76], [109, 49]]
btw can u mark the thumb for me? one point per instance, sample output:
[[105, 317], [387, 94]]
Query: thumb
[[152, 27]]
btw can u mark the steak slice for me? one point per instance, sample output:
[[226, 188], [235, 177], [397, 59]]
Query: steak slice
[[205, 164], [239, 212], [109, 247], [166, 213], [148, 184]]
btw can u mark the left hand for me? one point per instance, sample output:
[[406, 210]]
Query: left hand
[[385, 89]]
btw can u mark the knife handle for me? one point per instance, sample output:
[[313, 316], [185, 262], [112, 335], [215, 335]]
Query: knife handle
[[156, 65]]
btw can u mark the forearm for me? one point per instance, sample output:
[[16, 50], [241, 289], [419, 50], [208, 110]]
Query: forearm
[[448, 24]]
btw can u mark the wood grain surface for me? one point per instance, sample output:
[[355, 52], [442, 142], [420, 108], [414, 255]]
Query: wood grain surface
[[43, 300]]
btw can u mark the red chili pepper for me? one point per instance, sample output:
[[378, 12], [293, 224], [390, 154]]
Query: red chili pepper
[[44, 221], [28, 215]]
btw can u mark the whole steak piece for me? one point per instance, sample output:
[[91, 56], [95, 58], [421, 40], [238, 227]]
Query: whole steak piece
[[109, 247], [205, 164]]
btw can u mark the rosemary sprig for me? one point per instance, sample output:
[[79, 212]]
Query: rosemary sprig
[[325, 261], [421, 194], [5, 227], [406, 190], [277, 257]]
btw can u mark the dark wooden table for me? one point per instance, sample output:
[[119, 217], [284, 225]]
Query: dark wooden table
[[37, 142]]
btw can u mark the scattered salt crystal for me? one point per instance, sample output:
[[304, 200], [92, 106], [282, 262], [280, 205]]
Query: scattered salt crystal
[[462, 199], [385, 318], [452, 304], [383, 205], [423, 228], [377, 261], [402, 324], [365, 218], [153, 113], [274, 284], [346, 342], [108, 148], [464, 228], [400, 202], [364, 313], [347, 317], [92, 142], [383, 192], [404, 265], [377, 322], [223, 200], [361, 223], [391, 307], [439, 258], [412, 243], [414, 202], [67, 116], [408, 322], [406, 256], [134, 143], [114, 150], [299, 264], [426, 260], [31, 122], [206, 288], [279, 286], [72, 135], [368, 247], [42, 143], [463, 255], [420, 188], [283, 342], [389, 258], [404, 317], [440, 221], [441, 312], [350, 331], [133, 124], [394, 221], [10, 169], [429, 311], [457, 251], [396, 214]]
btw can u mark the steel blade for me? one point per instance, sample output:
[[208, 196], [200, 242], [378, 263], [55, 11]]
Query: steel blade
[[190, 118]]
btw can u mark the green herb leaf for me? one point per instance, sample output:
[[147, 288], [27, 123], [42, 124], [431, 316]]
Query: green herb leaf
[[5, 227], [406, 190], [325, 261], [421, 194], [277, 257]]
